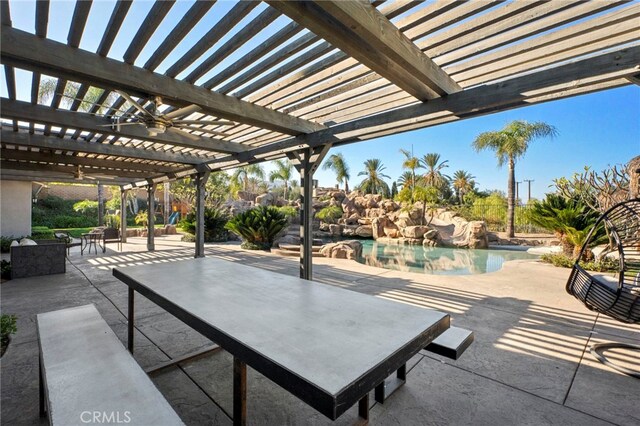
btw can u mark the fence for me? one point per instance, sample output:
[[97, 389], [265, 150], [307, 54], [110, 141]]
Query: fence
[[495, 216]]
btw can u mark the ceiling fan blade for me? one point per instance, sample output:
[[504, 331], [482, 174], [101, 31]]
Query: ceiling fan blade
[[205, 123], [180, 132], [128, 123], [135, 104], [211, 132], [190, 109]]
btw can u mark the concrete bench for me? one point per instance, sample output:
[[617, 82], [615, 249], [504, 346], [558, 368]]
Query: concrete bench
[[452, 343], [87, 375]]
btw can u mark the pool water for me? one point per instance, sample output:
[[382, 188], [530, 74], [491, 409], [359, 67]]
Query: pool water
[[437, 260]]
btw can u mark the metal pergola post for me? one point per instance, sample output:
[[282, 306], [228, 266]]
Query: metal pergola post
[[151, 209], [306, 161], [201, 179], [123, 215]]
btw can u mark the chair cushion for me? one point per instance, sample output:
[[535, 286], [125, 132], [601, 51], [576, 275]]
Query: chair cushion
[[27, 242]]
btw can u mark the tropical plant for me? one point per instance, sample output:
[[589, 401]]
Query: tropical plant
[[283, 173], [258, 227], [47, 92], [242, 175], [428, 196], [510, 144], [142, 218], [330, 214], [5, 269], [112, 221], [434, 176], [410, 163], [394, 189], [289, 211], [406, 180], [217, 189], [373, 183], [337, 163], [463, 183], [215, 220]]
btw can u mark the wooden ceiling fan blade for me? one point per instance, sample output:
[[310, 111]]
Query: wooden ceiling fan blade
[[135, 104], [128, 123], [205, 123], [190, 109], [180, 132]]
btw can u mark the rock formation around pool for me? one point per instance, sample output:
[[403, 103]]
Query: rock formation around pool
[[369, 216]]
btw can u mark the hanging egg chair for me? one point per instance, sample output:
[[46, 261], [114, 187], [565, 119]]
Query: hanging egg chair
[[617, 297]]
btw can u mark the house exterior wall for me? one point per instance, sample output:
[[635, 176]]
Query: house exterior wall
[[15, 208]]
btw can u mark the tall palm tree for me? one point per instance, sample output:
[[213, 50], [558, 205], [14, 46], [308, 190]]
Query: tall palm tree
[[510, 144], [283, 173], [337, 163], [47, 91], [407, 180], [373, 182], [463, 182], [434, 176], [244, 173], [410, 163]]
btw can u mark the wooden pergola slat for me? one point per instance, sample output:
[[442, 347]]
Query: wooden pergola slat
[[113, 26], [151, 22]]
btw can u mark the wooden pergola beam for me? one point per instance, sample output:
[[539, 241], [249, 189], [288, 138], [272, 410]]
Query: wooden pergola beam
[[70, 170], [508, 94], [32, 176], [360, 30], [24, 111], [62, 159], [31, 52], [65, 144]]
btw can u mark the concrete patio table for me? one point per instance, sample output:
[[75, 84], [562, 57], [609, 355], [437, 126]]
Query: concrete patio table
[[327, 346]]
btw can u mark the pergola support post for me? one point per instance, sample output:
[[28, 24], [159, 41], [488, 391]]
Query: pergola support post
[[100, 204], [123, 215], [201, 179], [307, 161], [151, 210]]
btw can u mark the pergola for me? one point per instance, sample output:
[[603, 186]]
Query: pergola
[[329, 73]]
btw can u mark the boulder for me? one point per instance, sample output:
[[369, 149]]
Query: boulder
[[132, 232], [350, 230], [281, 202], [364, 221], [170, 230], [349, 249], [289, 239], [392, 231], [477, 237], [335, 230], [352, 220], [364, 231], [377, 227], [375, 212], [410, 241], [267, 199], [431, 234], [338, 195], [246, 196], [157, 232], [324, 226], [414, 231]]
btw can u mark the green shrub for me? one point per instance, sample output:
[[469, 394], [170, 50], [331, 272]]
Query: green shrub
[[86, 207], [7, 328], [289, 211], [112, 221], [564, 261], [5, 270], [258, 227], [330, 214], [5, 243], [214, 225], [142, 218], [188, 238]]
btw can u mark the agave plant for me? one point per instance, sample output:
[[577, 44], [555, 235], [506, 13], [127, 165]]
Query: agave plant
[[258, 227]]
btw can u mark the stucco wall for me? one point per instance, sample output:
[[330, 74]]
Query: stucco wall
[[15, 208]]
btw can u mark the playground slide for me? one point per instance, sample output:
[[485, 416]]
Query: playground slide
[[173, 219]]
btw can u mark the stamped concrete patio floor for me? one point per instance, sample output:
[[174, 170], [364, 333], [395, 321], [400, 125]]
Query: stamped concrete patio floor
[[529, 363]]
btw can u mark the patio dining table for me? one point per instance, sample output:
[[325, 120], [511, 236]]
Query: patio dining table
[[326, 345], [90, 239]]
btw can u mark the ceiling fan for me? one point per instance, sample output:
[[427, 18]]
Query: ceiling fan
[[80, 174], [158, 123]]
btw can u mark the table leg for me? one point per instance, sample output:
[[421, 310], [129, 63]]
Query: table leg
[[389, 386], [130, 323], [239, 392], [363, 410]]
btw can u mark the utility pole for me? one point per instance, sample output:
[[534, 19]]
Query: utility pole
[[517, 191], [529, 193]]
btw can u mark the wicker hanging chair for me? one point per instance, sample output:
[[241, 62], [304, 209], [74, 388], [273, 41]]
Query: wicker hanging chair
[[618, 297]]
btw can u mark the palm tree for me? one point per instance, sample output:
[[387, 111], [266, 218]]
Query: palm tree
[[407, 180], [244, 173], [47, 91], [410, 163], [434, 176], [337, 163], [283, 173], [373, 182], [463, 182], [510, 144]]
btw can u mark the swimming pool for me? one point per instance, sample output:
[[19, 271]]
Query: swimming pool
[[437, 260]]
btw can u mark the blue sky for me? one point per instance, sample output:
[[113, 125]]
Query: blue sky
[[597, 130]]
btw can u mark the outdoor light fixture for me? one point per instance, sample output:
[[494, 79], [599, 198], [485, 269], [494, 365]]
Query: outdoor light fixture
[[156, 128]]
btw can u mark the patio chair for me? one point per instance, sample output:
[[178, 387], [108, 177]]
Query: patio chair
[[111, 235], [619, 297], [69, 241]]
